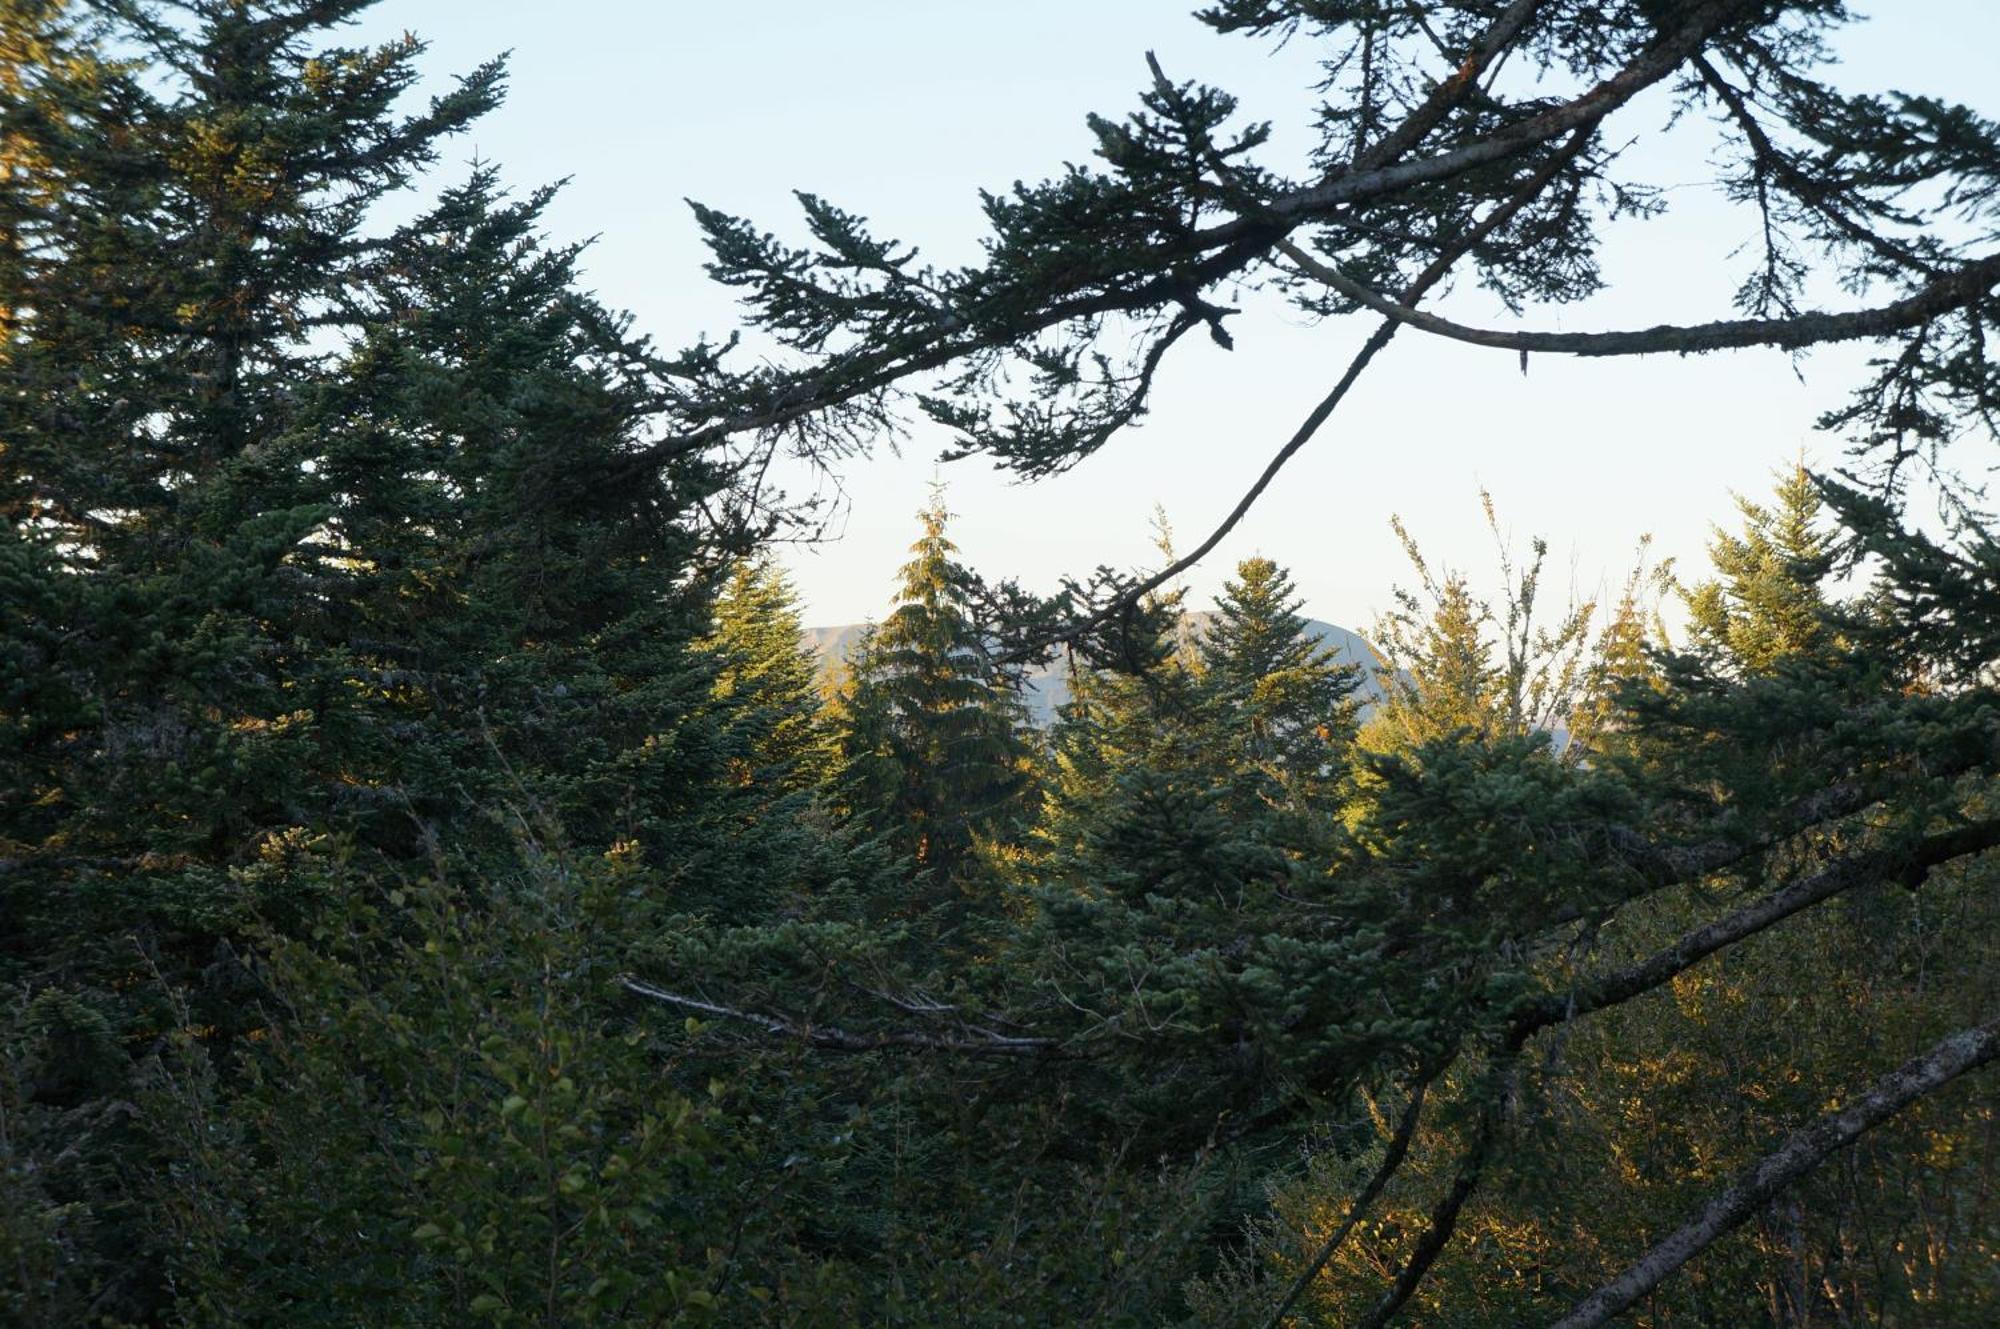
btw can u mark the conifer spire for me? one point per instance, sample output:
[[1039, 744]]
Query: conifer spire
[[933, 744], [1765, 605], [769, 676], [1290, 693]]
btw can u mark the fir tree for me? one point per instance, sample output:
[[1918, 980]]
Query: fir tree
[[1438, 677], [1113, 725], [48, 66], [353, 576], [1623, 660], [1493, 896], [268, 584], [1454, 667]]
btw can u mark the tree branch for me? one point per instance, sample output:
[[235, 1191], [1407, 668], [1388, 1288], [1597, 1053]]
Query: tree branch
[[1230, 246], [1671, 865], [1399, 1148], [1487, 47], [1951, 291], [1444, 1217], [1805, 1150], [1908, 864], [1623, 985], [1353, 186], [1794, 181], [1432, 274]]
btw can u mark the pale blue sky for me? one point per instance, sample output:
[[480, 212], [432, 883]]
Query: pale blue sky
[[901, 111]]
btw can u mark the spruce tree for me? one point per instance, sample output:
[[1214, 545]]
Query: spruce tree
[[48, 65], [1289, 693], [313, 528], [768, 674], [1113, 726], [1455, 666], [168, 498], [336, 592], [1624, 660], [321, 579], [933, 744], [1764, 604], [1753, 719], [523, 624], [1219, 759]]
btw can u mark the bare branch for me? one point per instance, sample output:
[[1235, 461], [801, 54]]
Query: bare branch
[[1392, 1161], [1805, 1150], [1444, 1217], [971, 1041], [1948, 292]]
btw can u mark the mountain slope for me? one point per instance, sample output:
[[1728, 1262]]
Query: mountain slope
[[1048, 686]]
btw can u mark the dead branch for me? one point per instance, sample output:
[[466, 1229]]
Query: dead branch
[[1806, 1149]]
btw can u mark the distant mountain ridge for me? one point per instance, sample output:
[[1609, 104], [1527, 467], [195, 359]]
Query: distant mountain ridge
[[1048, 686]]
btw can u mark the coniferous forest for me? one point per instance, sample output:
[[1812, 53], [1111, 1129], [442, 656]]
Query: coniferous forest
[[439, 885]]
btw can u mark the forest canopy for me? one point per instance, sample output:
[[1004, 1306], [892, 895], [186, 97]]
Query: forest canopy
[[440, 886]]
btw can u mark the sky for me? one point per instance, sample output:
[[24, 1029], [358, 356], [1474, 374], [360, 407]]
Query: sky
[[902, 110]]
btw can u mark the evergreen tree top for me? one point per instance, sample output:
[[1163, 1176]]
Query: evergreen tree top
[[1765, 604], [934, 736], [1258, 629], [758, 624]]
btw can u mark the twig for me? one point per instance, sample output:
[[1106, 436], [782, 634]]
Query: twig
[[971, 1041]]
